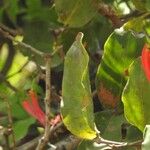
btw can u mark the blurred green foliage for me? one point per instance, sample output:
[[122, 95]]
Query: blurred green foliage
[[51, 27]]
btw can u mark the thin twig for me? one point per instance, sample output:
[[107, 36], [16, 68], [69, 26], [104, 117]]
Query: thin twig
[[43, 141], [110, 14], [7, 34], [11, 31], [127, 145], [118, 145], [32, 144], [22, 44], [10, 120], [108, 142], [68, 143]]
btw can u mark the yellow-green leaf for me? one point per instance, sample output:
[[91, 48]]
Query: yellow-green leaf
[[77, 106]]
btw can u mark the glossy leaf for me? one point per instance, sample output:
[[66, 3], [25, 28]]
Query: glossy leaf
[[146, 142], [119, 52], [77, 107], [76, 13], [136, 95]]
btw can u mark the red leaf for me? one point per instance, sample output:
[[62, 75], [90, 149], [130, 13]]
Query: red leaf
[[146, 60]]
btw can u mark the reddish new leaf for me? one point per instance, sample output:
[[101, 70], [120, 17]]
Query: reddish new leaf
[[32, 107]]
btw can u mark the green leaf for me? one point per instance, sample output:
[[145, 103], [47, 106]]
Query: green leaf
[[140, 4], [99, 29], [77, 106], [109, 125], [37, 35], [146, 143], [3, 55], [36, 11], [139, 25], [133, 134], [119, 52], [18, 62], [136, 95], [19, 78], [20, 127], [147, 5], [15, 101], [135, 24], [12, 8], [76, 13]]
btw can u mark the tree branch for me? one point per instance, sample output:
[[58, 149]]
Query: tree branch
[[33, 143], [11, 31], [109, 13], [118, 145], [22, 44], [10, 119], [44, 140]]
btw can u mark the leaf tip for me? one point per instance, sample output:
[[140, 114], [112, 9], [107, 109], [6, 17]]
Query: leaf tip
[[79, 37]]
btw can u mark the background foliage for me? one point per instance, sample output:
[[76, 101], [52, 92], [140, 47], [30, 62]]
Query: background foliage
[[100, 75]]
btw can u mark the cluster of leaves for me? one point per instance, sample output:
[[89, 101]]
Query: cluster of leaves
[[120, 82]]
